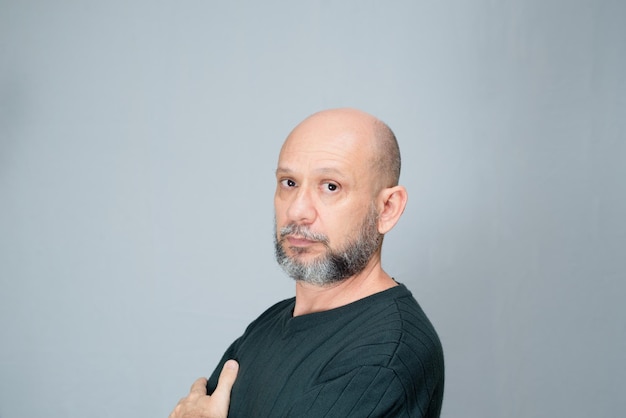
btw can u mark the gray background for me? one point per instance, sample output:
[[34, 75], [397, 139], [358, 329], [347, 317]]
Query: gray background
[[138, 143]]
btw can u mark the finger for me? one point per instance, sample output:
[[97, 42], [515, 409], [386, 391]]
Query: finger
[[198, 387], [225, 383]]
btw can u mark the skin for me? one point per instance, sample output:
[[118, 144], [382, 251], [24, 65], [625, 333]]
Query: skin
[[324, 181], [198, 405]]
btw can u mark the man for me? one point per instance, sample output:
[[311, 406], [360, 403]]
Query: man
[[353, 342]]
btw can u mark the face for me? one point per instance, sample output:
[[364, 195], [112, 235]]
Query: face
[[326, 220]]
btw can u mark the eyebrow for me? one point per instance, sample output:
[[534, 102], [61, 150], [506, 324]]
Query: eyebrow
[[283, 170], [323, 170]]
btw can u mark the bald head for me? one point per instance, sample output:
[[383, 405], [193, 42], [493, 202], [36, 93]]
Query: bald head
[[337, 194], [358, 130]]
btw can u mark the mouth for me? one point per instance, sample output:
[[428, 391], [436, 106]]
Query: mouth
[[299, 238], [299, 241]]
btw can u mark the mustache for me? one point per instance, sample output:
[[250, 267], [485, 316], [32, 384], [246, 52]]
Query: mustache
[[304, 232]]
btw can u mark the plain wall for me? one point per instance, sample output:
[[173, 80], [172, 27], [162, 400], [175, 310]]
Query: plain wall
[[137, 146]]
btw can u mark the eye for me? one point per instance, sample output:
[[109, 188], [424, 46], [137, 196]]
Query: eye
[[288, 183], [331, 187]]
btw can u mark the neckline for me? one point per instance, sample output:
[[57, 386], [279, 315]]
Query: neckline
[[295, 324]]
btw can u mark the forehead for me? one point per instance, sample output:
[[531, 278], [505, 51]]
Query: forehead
[[322, 158], [326, 146]]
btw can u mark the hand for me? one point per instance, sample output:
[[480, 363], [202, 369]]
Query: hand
[[198, 405]]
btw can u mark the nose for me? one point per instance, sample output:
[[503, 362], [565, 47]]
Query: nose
[[301, 207]]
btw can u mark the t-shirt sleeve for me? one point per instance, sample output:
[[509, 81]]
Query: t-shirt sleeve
[[344, 397]]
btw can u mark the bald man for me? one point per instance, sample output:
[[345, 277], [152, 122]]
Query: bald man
[[353, 342]]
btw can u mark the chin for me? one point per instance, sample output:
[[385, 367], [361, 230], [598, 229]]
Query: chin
[[297, 251]]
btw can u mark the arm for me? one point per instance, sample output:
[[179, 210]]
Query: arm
[[368, 391], [198, 405]]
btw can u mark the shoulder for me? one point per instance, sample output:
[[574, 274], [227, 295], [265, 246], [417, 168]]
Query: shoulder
[[279, 307], [397, 311], [387, 344], [274, 313], [393, 332], [417, 332], [418, 361], [388, 329]]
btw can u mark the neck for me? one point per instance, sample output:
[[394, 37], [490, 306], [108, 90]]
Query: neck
[[311, 298]]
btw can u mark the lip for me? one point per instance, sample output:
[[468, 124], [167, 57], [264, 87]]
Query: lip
[[295, 241]]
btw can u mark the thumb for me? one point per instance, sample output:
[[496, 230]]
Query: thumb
[[226, 381]]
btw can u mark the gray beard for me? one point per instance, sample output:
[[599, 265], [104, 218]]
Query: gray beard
[[335, 265]]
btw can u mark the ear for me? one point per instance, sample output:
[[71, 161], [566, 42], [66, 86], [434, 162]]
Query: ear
[[391, 203]]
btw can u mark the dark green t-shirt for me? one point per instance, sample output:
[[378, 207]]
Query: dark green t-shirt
[[376, 357]]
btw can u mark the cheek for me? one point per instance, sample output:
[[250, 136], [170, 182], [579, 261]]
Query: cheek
[[353, 220], [339, 225], [278, 210], [280, 218]]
